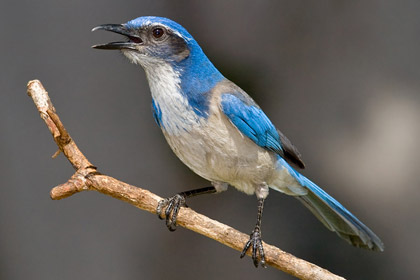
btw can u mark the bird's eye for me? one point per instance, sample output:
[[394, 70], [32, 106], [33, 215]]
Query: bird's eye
[[158, 32]]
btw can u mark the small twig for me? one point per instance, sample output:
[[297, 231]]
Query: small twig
[[87, 178]]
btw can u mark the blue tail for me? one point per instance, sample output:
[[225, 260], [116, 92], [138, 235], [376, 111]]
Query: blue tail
[[333, 215]]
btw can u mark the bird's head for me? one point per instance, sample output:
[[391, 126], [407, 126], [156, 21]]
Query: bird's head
[[168, 54], [152, 40]]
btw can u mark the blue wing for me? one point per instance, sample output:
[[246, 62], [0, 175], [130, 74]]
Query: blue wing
[[251, 121]]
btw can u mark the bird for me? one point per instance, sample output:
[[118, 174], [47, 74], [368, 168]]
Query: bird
[[218, 131]]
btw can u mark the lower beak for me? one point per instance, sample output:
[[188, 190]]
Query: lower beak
[[131, 44]]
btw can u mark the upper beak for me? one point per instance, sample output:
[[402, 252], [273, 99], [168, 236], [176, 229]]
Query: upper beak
[[131, 44]]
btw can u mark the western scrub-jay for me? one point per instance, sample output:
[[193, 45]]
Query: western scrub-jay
[[220, 133]]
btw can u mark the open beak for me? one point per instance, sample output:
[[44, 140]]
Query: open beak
[[133, 39]]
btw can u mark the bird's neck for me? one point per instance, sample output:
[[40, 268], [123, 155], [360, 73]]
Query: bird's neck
[[181, 91], [171, 107], [198, 76]]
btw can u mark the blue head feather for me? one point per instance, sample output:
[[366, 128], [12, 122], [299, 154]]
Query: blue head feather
[[141, 22]]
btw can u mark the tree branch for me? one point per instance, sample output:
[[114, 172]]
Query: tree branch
[[86, 177]]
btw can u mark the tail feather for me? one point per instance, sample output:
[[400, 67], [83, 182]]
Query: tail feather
[[334, 216]]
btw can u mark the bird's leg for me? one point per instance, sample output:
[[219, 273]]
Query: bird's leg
[[174, 203], [255, 239]]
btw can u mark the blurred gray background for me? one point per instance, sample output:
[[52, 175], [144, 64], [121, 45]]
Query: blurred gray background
[[339, 78]]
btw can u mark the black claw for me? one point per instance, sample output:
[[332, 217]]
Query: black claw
[[245, 248], [162, 204], [257, 248], [172, 204]]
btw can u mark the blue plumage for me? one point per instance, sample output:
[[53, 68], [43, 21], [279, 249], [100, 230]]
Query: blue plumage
[[141, 22], [252, 122], [157, 113], [334, 215], [219, 132], [202, 77]]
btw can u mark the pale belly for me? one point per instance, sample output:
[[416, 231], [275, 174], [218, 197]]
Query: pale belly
[[218, 152]]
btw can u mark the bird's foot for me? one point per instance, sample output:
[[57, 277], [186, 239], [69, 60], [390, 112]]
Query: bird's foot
[[255, 240], [172, 204]]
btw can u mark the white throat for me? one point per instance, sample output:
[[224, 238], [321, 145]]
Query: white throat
[[177, 115]]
